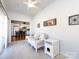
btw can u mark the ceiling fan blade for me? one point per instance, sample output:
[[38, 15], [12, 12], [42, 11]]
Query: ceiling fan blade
[[29, 1], [25, 2], [34, 2]]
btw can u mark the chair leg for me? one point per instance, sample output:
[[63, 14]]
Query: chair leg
[[36, 49]]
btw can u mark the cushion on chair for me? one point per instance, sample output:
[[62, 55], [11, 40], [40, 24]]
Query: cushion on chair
[[36, 35], [43, 36]]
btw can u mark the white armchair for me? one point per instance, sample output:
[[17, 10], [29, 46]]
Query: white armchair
[[37, 42]]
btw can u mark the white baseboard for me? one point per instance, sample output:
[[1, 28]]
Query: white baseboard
[[69, 55], [2, 49], [66, 55]]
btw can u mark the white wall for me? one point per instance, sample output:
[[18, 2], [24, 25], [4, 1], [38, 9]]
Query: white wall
[[9, 31], [18, 17], [3, 29], [68, 35]]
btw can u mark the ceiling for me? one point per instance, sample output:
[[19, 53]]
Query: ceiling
[[18, 6]]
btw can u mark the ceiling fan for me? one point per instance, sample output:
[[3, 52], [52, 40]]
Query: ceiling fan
[[30, 3]]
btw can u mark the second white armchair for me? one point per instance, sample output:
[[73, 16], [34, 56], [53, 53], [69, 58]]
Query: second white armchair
[[37, 42]]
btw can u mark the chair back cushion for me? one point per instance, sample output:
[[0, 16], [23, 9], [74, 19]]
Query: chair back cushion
[[43, 36]]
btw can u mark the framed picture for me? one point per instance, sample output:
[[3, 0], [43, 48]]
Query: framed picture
[[50, 22], [74, 20], [38, 25]]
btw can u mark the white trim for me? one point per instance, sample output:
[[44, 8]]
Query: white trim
[[2, 49], [69, 55], [66, 55]]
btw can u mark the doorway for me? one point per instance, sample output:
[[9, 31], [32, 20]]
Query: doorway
[[19, 30]]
